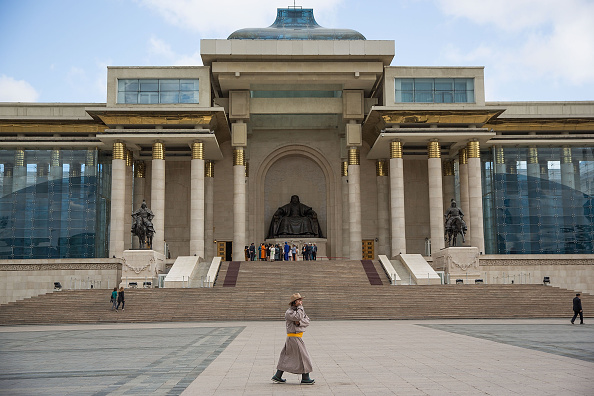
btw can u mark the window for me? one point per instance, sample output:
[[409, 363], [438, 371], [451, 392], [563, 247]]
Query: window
[[434, 90], [155, 91]]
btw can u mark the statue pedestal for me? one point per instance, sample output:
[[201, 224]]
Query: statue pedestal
[[458, 263], [299, 242], [141, 266]]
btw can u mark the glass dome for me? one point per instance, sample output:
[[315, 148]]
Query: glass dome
[[295, 24]]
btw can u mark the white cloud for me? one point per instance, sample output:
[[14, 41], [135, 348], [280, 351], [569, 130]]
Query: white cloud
[[12, 90], [552, 40], [161, 51], [223, 17]]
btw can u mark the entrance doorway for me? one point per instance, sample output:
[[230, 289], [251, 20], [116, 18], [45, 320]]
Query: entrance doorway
[[368, 249], [225, 250]]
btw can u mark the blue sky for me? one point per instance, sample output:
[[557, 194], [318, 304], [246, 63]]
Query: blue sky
[[59, 50]]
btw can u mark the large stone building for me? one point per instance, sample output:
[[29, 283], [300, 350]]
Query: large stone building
[[377, 150]]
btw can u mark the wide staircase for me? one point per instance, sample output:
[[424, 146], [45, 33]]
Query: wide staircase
[[331, 290]]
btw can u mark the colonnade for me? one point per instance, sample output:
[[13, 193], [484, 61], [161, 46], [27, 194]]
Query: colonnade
[[124, 196], [390, 199]]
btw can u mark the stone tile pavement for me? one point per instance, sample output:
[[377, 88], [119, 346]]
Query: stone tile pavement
[[438, 357]]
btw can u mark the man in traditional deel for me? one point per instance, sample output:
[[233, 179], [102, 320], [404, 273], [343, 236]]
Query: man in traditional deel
[[294, 357]]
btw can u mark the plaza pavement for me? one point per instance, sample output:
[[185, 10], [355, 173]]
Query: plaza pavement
[[437, 357]]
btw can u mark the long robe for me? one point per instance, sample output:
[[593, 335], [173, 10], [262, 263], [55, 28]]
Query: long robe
[[294, 357]]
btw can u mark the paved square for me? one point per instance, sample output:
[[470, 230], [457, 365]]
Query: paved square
[[446, 357]]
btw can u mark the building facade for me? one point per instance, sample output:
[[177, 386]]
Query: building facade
[[378, 151]]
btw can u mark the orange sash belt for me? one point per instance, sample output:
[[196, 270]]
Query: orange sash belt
[[295, 334]]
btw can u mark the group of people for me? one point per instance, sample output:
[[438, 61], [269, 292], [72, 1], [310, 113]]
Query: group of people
[[277, 252], [117, 297]]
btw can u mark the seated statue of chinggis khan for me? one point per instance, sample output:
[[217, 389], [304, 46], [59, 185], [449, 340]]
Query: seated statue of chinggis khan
[[294, 219]]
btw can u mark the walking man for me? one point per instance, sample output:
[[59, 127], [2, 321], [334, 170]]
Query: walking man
[[577, 309], [294, 357]]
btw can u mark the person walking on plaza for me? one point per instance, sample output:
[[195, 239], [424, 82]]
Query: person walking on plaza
[[114, 298], [577, 309], [121, 299], [294, 357]]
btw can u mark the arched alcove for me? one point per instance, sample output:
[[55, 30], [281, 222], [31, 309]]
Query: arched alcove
[[295, 175], [297, 162]]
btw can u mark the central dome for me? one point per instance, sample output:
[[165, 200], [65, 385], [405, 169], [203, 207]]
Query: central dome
[[295, 24]]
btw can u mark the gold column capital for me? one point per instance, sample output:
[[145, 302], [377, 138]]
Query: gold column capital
[[55, 158], [344, 169], [462, 156], [395, 149], [448, 168], [532, 155], [499, 155], [139, 169], [198, 150], [354, 157], [158, 151], [473, 149], [566, 156], [42, 170], [129, 158], [247, 168], [19, 157], [119, 152], [74, 170], [380, 168], [8, 168], [238, 156], [209, 169], [433, 149], [90, 158]]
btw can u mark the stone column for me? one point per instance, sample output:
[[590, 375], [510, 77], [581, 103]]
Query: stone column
[[533, 172], [158, 196], [355, 239], [449, 184], [567, 169], [19, 177], [55, 165], [118, 198], [197, 201], [383, 213], [475, 192], [397, 214], [346, 235], [128, 200], [139, 185], [209, 246], [568, 181], [91, 163], [239, 201], [8, 176], [435, 197], [464, 197]]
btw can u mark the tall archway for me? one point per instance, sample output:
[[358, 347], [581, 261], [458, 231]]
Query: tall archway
[[291, 165]]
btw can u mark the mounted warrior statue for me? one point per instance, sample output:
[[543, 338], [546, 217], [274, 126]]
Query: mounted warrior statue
[[454, 224], [142, 226]]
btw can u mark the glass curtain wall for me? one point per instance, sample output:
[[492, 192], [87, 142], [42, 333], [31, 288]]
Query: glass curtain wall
[[538, 200], [54, 204]]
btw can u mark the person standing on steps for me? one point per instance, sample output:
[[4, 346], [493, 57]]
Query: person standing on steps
[[294, 357], [114, 298], [577, 309], [121, 298]]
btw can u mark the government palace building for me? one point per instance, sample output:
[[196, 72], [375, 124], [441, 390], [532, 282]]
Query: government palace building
[[377, 150]]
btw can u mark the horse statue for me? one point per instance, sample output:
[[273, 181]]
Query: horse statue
[[454, 225], [142, 226]]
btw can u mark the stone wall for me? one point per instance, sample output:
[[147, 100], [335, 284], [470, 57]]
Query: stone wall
[[574, 272], [20, 279]]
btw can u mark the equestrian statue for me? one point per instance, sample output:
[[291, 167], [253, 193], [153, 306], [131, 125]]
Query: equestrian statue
[[454, 225], [142, 226]]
